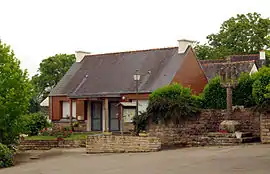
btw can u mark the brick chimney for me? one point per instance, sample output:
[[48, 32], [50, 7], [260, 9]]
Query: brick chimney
[[80, 55], [183, 45]]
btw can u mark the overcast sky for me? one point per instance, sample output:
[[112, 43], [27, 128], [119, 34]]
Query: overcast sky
[[36, 29]]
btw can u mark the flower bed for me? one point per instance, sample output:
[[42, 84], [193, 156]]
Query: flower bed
[[58, 132]]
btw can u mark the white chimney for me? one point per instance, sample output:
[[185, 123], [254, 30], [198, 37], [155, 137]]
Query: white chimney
[[262, 55], [183, 45], [80, 55]]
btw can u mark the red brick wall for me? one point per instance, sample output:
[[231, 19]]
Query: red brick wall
[[56, 108], [190, 73]]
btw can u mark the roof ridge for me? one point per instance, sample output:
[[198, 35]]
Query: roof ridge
[[134, 51], [235, 55], [234, 62]]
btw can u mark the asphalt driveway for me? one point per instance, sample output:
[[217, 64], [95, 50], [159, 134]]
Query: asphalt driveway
[[248, 159]]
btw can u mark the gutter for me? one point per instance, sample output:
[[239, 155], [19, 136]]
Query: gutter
[[105, 94]]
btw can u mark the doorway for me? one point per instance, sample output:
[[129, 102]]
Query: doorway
[[114, 122], [96, 116]]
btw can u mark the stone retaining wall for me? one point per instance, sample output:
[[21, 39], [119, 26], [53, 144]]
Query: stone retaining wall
[[194, 131], [48, 144], [118, 144], [265, 128], [81, 128]]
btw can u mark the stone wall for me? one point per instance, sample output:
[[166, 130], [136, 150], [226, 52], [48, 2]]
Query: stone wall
[[117, 144], [265, 128], [49, 144], [193, 131], [66, 123], [128, 127]]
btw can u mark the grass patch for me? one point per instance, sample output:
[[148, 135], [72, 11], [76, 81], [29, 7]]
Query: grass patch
[[74, 136], [40, 138]]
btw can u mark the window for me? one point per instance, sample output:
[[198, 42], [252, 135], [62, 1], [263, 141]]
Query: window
[[66, 109]]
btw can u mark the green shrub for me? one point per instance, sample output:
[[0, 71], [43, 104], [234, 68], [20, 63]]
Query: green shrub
[[242, 94], [35, 122], [172, 103], [6, 156], [214, 95], [140, 122], [261, 81]]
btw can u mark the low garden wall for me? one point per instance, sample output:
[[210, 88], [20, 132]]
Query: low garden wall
[[117, 144], [194, 132], [49, 144], [80, 128]]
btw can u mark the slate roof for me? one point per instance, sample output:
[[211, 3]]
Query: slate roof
[[238, 58], [62, 86], [244, 63], [211, 70], [112, 73]]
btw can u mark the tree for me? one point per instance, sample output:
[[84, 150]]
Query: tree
[[50, 72], [15, 92], [205, 52], [243, 34]]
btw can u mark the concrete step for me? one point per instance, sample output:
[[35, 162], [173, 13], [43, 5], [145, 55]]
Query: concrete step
[[227, 135]]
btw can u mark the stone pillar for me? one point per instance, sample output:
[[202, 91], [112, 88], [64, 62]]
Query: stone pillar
[[106, 108], [88, 125], [229, 101]]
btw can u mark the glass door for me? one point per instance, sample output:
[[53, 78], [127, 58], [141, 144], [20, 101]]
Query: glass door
[[114, 123], [96, 116]]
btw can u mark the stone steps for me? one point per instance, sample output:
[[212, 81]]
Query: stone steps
[[223, 139]]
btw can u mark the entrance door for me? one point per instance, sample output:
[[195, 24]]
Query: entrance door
[[114, 123], [96, 116]]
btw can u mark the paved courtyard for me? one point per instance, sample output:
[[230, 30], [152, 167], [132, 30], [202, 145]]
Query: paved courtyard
[[204, 160]]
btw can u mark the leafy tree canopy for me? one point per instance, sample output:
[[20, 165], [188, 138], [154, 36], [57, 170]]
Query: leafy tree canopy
[[15, 92], [243, 34], [50, 72]]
